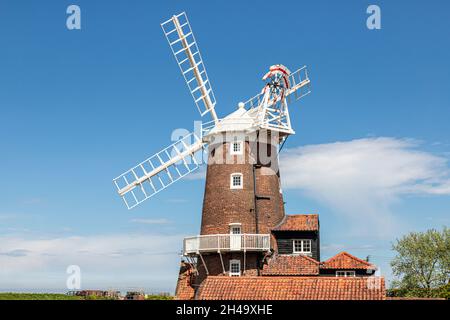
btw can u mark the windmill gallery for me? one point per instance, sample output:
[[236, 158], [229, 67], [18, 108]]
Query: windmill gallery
[[248, 248]]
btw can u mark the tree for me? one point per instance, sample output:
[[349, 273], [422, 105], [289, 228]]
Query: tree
[[422, 264]]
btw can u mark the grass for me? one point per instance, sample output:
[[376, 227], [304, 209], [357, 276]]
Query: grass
[[37, 296], [59, 296], [158, 297]]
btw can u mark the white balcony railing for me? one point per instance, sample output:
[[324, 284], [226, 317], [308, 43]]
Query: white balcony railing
[[226, 242]]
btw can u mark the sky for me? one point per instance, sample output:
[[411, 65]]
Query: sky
[[78, 107]]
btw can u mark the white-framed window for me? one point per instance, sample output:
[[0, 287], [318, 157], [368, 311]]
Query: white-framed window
[[235, 268], [236, 181], [302, 246], [345, 273], [236, 147], [235, 228]]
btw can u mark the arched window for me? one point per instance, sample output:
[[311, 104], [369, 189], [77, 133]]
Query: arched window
[[236, 181]]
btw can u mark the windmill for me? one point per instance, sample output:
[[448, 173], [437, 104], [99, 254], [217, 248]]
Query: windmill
[[267, 111]]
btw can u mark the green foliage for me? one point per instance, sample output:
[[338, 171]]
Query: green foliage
[[56, 296], [158, 297], [94, 297], [36, 296], [441, 292], [444, 292], [422, 264]]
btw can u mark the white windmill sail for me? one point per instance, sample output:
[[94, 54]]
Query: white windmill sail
[[300, 85], [159, 171], [184, 47]]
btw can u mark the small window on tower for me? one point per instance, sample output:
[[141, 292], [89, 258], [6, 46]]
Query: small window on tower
[[236, 181], [235, 268], [235, 229], [236, 147]]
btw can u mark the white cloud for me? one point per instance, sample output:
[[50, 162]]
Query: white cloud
[[361, 179], [151, 221], [106, 261], [198, 174]]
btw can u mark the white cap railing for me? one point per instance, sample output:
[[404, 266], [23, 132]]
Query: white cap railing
[[226, 242]]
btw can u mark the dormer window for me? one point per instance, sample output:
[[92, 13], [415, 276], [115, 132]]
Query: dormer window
[[345, 273], [302, 246], [236, 148], [236, 181]]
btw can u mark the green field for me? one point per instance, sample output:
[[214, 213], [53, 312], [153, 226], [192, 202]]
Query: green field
[[37, 296], [158, 297], [59, 296]]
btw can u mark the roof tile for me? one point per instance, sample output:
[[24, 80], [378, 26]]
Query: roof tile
[[291, 265], [299, 222], [292, 288], [345, 260]]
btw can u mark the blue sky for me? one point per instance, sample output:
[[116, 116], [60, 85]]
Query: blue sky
[[79, 107]]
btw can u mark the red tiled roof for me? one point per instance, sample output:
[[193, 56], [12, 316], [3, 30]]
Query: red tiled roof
[[299, 222], [292, 288], [345, 260], [291, 265], [184, 289]]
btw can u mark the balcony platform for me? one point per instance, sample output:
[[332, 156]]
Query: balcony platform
[[226, 243]]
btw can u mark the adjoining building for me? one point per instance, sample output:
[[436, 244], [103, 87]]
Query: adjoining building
[[290, 271]]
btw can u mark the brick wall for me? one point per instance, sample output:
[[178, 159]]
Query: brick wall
[[253, 263], [222, 205]]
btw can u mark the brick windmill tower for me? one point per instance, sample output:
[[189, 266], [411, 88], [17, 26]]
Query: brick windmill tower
[[243, 199]]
